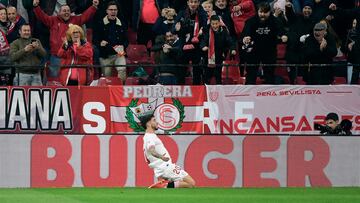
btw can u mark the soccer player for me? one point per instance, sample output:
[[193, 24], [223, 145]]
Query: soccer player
[[169, 174]]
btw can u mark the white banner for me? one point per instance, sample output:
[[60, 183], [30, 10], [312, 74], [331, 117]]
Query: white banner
[[278, 109], [213, 161]]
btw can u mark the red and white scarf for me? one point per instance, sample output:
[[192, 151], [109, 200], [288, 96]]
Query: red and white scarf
[[195, 38], [12, 25], [211, 51], [4, 44]]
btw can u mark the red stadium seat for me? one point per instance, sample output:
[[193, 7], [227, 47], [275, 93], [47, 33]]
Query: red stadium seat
[[259, 81], [281, 51], [339, 81], [106, 81], [300, 81], [137, 53], [188, 80], [231, 74]]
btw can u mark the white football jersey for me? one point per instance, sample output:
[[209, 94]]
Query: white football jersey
[[151, 139]]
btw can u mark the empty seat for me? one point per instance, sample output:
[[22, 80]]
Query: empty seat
[[339, 81], [300, 81], [137, 53], [106, 81], [231, 74]]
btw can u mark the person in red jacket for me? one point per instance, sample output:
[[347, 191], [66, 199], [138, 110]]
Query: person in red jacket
[[75, 51], [58, 26], [241, 10]]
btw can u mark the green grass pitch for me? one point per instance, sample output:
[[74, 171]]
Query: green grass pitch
[[198, 195]]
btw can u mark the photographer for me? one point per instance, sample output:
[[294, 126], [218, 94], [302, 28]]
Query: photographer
[[333, 127]]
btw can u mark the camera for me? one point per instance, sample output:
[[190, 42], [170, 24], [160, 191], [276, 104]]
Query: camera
[[344, 128], [33, 40], [324, 129]]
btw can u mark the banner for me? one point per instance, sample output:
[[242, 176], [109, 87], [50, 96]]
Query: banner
[[213, 161], [98, 110], [278, 109], [178, 109]]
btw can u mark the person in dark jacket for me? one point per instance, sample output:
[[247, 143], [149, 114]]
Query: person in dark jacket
[[111, 38], [16, 22], [353, 47], [300, 27], [169, 47], [222, 9], [189, 25], [216, 42], [263, 33], [319, 48], [165, 22]]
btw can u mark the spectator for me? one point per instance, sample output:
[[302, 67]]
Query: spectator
[[165, 22], [16, 21], [241, 10], [278, 10], [75, 51], [189, 24], [321, 9], [27, 52], [348, 48], [221, 9], [208, 7], [354, 47], [300, 27], [22, 8], [170, 53], [216, 42], [145, 14], [262, 32], [319, 48], [58, 26], [178, 5], [111, 38], [124, 10], [5, 71]]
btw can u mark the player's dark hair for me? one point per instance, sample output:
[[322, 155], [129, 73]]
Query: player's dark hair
[[145, 119]]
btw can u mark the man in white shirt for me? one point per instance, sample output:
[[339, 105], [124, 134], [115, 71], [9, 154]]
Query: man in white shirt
[[169, 174]]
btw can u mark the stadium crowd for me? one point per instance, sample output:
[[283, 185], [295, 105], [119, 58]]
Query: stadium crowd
[[57, 34]]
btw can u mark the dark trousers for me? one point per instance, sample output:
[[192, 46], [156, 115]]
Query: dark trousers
[[252, 71], [194, 55], [320, 76], [355, 75], [213, 71]]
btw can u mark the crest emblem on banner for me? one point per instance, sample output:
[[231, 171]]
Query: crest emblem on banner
[[168, 116]]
